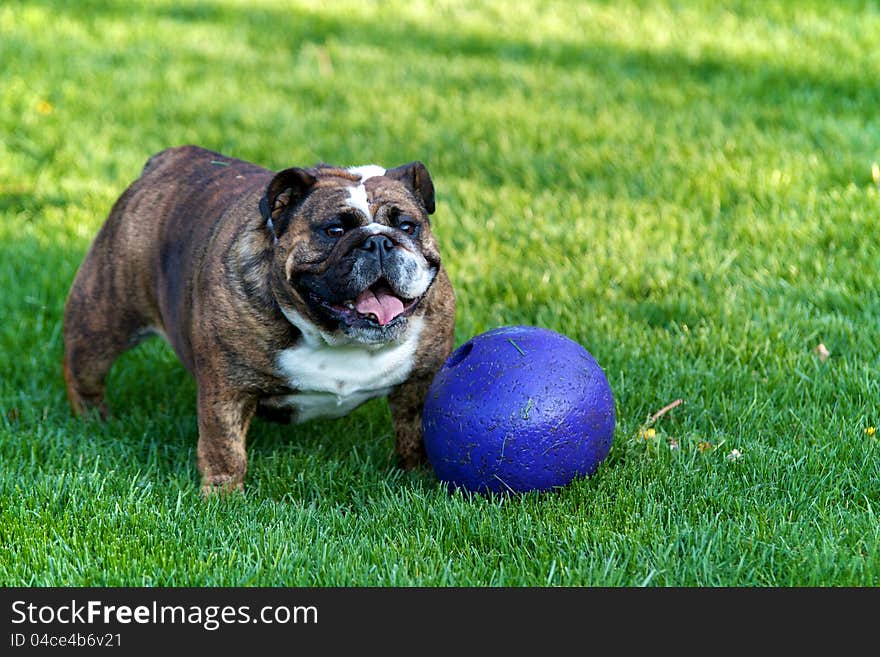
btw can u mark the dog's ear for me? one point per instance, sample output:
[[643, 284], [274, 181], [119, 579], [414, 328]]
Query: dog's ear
[[287, 190], [415, 176]]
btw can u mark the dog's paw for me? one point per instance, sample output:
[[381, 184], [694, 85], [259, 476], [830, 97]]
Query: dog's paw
[[221, 486]]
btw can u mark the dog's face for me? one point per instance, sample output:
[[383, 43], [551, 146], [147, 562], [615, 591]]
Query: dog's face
[[354, 252]]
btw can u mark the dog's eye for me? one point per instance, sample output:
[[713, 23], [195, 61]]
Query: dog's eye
[[407, 226], [334, 231]]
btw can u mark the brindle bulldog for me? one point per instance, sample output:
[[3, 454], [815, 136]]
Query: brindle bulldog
[[290, 295]]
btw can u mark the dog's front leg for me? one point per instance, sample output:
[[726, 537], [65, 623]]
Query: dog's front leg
[[224, 418], [406, 402]]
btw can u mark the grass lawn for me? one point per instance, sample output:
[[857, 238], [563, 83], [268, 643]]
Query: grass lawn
[[685, 188]]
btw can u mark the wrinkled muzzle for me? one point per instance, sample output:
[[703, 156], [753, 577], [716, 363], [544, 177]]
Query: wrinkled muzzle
[[377, 282]]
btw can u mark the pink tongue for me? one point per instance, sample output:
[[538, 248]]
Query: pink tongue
[[381, 303]]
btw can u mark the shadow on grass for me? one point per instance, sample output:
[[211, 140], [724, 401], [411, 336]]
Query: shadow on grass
[[26, 201], [760, 81], [778, 97]]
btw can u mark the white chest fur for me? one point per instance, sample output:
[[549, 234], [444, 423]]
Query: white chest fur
[[332, 380]]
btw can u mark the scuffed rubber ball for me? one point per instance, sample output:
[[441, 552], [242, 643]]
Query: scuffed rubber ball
[[518, 408]]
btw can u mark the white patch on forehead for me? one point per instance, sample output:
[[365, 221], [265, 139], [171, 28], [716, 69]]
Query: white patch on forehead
[[367, 171], [357, 194], [357, 198]]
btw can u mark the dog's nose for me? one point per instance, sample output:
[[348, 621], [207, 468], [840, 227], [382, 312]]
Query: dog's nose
[[379, 245]]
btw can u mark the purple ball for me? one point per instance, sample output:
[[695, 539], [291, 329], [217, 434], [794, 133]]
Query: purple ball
[[518, 408]]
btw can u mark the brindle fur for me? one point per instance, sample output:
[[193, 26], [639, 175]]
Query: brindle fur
[[186, 253]]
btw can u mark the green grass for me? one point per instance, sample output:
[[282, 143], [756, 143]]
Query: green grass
[[683, 187]]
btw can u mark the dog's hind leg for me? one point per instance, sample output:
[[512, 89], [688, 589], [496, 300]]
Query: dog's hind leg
[[105, 314], [97, 329]]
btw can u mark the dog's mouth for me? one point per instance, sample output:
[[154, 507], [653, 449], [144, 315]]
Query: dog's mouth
[[378, 305]]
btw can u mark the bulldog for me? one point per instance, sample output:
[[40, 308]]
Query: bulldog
[[292, 295]]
